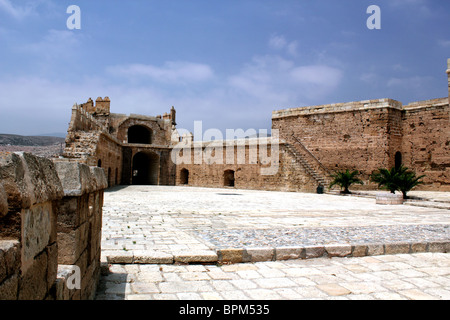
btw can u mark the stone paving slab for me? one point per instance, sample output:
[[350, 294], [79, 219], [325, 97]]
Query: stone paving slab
[[155, 224], [418, 276]]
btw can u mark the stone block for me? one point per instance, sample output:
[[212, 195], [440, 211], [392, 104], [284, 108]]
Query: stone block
[[152, 257], [418, 247], [375, 249], [28, 180], [9, 288], [314, 252], [359, 250], [338, 250], [33, 283], [397, 248], [9, 258], [288, 253], [37, 229], [438, 246], [78, 179], [195, 256], [258, 254], [230, 255]]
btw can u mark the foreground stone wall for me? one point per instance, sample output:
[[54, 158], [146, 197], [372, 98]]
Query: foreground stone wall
[[36, 206]]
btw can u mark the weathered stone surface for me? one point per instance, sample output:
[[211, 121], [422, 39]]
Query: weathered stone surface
[[37, 228], [3, 201], [9, 258], [99, 178], [28, 180], [287, 253], [396, 248], [338, 250], [314, 252], [359, 250], [9, 288], [375, 249], [258, 254], [230, 255], [75, 178], [152, 257], [195, 256]]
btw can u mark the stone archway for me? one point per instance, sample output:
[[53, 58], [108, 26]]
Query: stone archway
[[228, 178], [139, 134], [145, 170], [184, 176], [398, 160]]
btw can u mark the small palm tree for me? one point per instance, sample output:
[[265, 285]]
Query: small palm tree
[[408, 181], [396, 179], [345, 179], [386, 179]]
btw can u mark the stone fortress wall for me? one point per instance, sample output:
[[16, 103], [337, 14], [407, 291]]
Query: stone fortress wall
[[51, 210], [313, 142]]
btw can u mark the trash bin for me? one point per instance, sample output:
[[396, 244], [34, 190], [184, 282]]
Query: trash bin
[[319, 189]]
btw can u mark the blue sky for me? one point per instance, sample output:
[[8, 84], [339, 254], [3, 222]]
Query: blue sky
[[228, 63]]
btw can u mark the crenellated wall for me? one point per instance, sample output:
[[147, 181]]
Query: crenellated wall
[[50, 223]]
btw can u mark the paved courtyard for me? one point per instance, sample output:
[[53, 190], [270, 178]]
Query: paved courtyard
[[149, 232]]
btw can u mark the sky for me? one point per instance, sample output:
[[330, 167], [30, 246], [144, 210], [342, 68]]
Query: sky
[[227, 63]]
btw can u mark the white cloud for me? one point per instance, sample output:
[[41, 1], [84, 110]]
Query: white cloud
[[444, 43], [415, 82], [275, 80], [171, 71], [16, 12], [279, 42]]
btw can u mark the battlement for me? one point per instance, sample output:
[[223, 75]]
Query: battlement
[[102, 106]]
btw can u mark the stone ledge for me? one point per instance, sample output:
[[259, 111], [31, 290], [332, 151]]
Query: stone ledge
[[28, 180], [78, 179], [249, 255]]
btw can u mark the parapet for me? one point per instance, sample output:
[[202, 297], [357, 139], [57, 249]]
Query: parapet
[[339, 107], [78, 179]]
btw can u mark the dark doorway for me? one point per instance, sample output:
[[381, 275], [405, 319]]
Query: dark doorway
[[145, 169], [184, 176], [228, 178], [139, 134], [398, 160]]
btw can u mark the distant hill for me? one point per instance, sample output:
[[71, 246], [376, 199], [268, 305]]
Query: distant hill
[[33, 141]]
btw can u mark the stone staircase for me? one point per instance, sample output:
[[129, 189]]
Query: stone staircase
[[308, 161]]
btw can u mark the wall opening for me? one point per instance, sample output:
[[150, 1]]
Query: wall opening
[[184, 176], [398, 160], [109, 177], [228, 178], [145, 169], [99, 163], [139, 134]]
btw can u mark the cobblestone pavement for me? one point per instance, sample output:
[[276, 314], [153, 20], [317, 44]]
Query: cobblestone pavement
[[420, 276], [146, 228]]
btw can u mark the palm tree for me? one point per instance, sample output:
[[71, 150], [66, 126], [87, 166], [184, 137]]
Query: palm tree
[[345, 179], [386, 179], [408, 181], [396, 179]]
